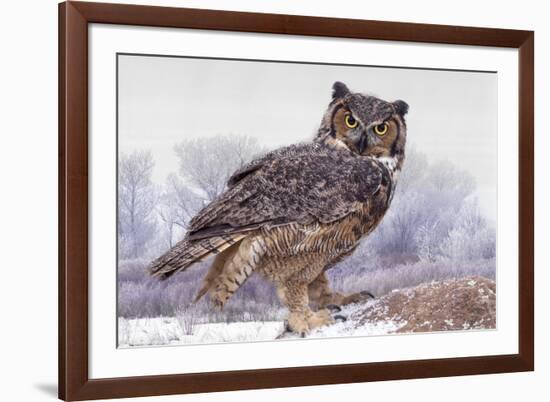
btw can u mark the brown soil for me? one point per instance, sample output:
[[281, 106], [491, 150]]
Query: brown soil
[[458, 304]]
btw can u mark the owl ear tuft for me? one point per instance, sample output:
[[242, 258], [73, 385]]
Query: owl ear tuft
[[401, 107], [339, 90]]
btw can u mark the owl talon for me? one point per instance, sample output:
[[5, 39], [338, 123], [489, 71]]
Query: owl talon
[[340, 318], [367, 294], [286, 327], [333, 308], [287, 331]]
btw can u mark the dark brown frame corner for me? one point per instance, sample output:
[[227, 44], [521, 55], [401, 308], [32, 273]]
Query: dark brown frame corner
[[74, 382]]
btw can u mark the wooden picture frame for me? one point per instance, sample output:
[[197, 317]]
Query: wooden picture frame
[[74, 381]]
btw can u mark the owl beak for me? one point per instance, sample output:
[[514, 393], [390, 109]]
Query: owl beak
[[362, 144]]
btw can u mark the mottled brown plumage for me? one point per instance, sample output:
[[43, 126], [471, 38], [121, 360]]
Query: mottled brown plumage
[[295, 212]]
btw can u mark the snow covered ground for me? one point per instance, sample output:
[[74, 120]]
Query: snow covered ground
[[454, 304], [172, 331], [167, 331]]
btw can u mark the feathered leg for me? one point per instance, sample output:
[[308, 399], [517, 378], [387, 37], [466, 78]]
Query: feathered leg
[[237, 270], [215, 270], [301, 318], [321, 296]]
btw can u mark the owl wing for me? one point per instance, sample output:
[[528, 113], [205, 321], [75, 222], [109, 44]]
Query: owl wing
[[299, 184], [297, 150]]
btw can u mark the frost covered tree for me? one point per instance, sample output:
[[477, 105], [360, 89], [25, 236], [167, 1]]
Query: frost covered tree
[[433, 208], [136, 203], [177, 205], [205, 164], [470, 238]]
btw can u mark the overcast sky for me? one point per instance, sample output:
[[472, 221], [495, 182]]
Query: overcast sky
[[162, 100]]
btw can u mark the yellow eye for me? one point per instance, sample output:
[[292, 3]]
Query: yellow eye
[[350, 121], [381, 129]]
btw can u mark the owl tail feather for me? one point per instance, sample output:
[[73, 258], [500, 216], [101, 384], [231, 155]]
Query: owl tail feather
[[188, 252]]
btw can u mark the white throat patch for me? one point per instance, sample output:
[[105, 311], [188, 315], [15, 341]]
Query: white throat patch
[[391, 165], [389, 162]]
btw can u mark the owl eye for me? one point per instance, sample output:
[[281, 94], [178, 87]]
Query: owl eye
[[381, 129], [350, 121]]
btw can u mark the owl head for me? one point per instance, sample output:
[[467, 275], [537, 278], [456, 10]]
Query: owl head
[[365, 125]]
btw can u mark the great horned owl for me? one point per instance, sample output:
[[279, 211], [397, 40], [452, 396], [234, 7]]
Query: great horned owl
[[295, 212]]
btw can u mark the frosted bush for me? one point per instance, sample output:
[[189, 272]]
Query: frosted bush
[[187, 320]]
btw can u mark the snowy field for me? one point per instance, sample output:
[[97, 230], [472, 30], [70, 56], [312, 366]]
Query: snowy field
[[172, 331], [454, 304]]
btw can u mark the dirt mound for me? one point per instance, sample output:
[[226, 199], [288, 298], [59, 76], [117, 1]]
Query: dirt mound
[[458, 304]]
